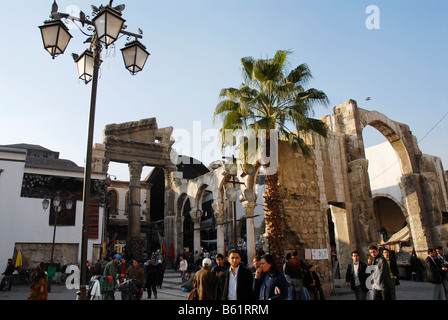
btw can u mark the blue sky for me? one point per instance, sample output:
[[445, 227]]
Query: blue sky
[[195, 51]]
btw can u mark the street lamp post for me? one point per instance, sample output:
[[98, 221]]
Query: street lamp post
[[106, 27]]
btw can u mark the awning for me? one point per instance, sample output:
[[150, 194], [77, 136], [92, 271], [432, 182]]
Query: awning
[[401, 236]]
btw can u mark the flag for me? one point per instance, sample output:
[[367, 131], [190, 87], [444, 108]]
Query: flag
[[163, 247], [18, 259], [171, 253]]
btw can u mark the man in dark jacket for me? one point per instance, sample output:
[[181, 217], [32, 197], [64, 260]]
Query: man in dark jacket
[[434, 271], [356, 277], [236, 282], [382, 282], [136, 272], [393, 272], [312, 282]]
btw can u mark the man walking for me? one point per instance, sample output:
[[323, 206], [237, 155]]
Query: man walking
[[205, 281], [356, 277], [381, 276], [136, 272], [294, 269], [111, 271], [393, 267], [444, 261], [434, 271]]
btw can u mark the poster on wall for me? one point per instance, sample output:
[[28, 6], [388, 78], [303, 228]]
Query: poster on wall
[[316, 254]]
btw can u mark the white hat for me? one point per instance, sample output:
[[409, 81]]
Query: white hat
[[206, 262]]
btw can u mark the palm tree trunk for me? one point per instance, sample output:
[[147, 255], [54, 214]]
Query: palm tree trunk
[[274, 214]]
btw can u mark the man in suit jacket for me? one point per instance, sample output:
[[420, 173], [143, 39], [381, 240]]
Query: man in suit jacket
[[444, 261], [356, 277], [393, 272], [236, 282], [434, 271], [382, 282]]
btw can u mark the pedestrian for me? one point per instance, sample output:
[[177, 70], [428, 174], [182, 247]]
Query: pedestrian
[[38, 278], [7, 276], [269, 282], [183, 266], [434, 271], [160, 266], [416, 267], [236, 282], [110, 270], [151, 279], [205, 282], [444, 261], [287, 277], [219, 268], [91, 271], [188, 284], [356, 277], [393, 272], [256, 263], [312, 283], [122, 268], [293, 269], [382, 281], [136, 272]]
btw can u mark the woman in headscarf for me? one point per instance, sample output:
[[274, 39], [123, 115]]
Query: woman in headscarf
[[38, 279]]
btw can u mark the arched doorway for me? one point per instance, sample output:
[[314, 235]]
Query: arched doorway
[[389, 216], [188, 227]]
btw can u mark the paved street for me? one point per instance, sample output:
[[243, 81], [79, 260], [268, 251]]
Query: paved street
[[408, 290]]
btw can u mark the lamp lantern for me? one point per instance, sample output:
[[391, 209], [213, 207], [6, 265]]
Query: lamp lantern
[[108, 24], [84, 64], [55, 37], [135, 56]]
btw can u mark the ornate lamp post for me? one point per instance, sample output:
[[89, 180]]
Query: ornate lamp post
[[105, 28]]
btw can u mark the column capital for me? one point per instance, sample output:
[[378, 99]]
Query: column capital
[[135, 169], [249, 208]]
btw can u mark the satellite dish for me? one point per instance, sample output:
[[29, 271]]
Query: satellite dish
[[249, 195], [231, 169], [232, 194]]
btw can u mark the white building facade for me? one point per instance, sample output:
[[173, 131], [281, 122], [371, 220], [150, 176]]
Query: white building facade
[[28, 174]]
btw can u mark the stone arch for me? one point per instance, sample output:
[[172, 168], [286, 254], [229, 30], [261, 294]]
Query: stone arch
[[398, 135], [350, 121], [390, 215]]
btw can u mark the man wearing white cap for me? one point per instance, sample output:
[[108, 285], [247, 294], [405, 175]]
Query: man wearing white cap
[[205, 281]]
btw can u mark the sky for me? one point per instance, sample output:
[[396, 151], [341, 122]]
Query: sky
[[396, 54]]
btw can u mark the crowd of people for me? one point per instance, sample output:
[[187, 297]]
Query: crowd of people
[[147, 275], [384, 278], [227, 278]]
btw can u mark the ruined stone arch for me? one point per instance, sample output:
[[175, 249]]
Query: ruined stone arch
[[398, 135]]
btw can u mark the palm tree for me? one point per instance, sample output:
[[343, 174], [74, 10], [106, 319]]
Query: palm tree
[[271, 98]]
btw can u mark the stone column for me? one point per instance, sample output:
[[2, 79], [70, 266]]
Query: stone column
[[134, 236], [169, 234], [196, 217], [218, 209], [250, 232], [421, 206]]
